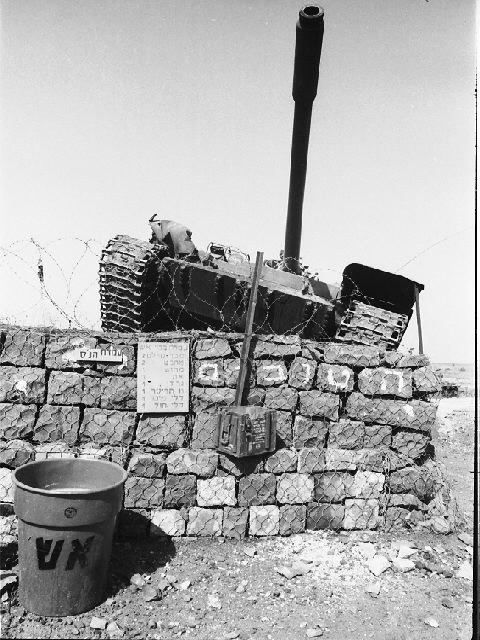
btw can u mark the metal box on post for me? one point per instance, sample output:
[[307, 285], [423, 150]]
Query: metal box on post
[[247, 431]]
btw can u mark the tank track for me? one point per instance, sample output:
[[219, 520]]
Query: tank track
[[129, 275], [365, 324]]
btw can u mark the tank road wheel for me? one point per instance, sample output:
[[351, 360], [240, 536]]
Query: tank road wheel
[[130, 277]]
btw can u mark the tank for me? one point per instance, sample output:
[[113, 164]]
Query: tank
[[166, 283]]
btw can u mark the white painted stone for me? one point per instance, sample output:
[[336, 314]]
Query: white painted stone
[[295, 488], [168, 522]]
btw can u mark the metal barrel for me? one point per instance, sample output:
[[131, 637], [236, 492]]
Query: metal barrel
[[66, 513], [308, 47]]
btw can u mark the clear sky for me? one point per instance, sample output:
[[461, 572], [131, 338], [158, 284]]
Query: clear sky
[[112, 111]]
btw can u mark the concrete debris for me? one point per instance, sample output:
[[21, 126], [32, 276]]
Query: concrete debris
[[446, 602], [378, 564], [163, 585], [466, 538], [367, 549], [242, 587], [403, 565], [183, 586], [249, 551], [373, 589], [149, 593], [213, 601], [137, 580], [232, 635], [98, 623], [465, 571], [7, 580], [431, 622], [313, 555], [406, 551], [314, 632], [297, 569]]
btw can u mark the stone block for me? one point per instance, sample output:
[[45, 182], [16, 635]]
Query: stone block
[[202, 463], [25, 385], [325, 516], [366, 484], [204, 522], [361, 514], [91, 451], [414, 414], [8, 532], [54, 450], [101, 426], [235, 522], [205, 431], [209, 373], [92, 392], [60, 352], [16, 420], [397, 518], [406, 501], [271, 373], [264, 521], [56, 423], [420, 481], [180, 491], [256, 489], [148, 465], [319, 404], [211, 348], [283, 398], [292, 519], [385, 382], [331, 486], [335, 378], [231, 370], [352, 355], [282, 461], [278, 347], [14, 453], [302, 373], [119, 393], [167, 522], [143, 492], [23, 348], [284, 429], [133, 523], [397, 359], [308, 432], [311, 460], [425, 380], [410, 443], [216, 492], [168, 432], [240, 466], [377, 435], [376, 459], [346, 434], [340, 459], [294, 488], [210, 399], [6, 485], [126, 367], [65, 387]]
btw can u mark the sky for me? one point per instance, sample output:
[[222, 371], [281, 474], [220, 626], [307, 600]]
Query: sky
[[113, 111]]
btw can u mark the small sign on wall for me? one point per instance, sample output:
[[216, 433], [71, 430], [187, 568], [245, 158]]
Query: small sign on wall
[[86, 354], [163, 377]]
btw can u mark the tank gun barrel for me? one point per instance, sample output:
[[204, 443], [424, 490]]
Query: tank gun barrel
[[308, 47]]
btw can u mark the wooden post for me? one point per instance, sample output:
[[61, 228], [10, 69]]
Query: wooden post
[[419, 322], [252, 303]]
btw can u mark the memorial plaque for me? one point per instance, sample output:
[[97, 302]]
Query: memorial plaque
[[163, 377]]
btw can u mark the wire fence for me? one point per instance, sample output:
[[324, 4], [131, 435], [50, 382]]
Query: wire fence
[[342, 421]]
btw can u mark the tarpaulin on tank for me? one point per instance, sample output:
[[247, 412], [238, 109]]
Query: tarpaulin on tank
[[381, 288]]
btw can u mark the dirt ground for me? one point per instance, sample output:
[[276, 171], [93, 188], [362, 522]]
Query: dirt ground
[[221, 589]]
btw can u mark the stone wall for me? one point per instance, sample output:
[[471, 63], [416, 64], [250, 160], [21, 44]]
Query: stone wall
[[354, 430]]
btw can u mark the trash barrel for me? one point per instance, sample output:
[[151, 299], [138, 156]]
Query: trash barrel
[[66, 511]]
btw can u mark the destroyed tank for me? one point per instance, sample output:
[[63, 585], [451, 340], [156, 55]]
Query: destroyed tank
[[166, 283]]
